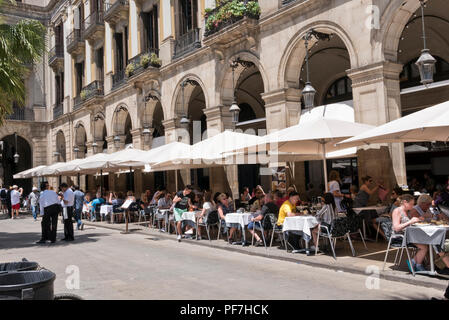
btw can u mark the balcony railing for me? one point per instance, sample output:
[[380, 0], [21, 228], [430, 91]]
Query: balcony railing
[[285, 2], [118, 78], [19, 113], [139, 65], [57, 52], [93, 23], [115, 10], [93, 89], [74, 39], [58, 110], [187, 43], [215, 24], [77, 102]]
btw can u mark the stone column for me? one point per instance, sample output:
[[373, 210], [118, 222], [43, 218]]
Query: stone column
[[109, 54], [133, 26], [377, 100], [137, 138], [167, 43], [118, 146]]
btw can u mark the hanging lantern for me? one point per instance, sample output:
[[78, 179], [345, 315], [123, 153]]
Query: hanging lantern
[[309, 95], [235, 111], [426, 66], [117, 141], [16, 158], [184, 122]]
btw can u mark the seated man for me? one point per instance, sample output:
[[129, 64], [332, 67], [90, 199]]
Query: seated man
[[288, 209], [96, 202], [268, 207]]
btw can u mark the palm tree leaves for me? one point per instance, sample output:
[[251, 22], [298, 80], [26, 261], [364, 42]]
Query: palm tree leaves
[[21, 45]]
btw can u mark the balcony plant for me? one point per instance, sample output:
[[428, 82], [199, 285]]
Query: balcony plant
[[155, 61], [227, 12], [130, 68], [145, 60]]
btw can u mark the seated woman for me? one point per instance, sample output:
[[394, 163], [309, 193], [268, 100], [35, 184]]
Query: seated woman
[[325, 216], [130, 196], [422, 208], [224, 207], [366, 190], [401, 221], [87, 207], [96, 202], [385, 219], [208, 207]]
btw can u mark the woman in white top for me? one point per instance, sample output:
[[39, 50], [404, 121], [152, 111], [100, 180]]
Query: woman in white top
[[208, 207], [334, 188], [16, 193]]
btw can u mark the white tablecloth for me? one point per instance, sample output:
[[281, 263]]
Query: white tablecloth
[[300, 223], [106, 209], [189, 215], [242, 219], [379, 210]]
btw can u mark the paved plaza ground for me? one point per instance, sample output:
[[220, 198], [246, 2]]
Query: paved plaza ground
[[146, 266]]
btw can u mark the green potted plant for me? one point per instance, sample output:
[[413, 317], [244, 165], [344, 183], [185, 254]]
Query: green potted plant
[[145, 60], [83, 94], [130, 68], [155, 61]]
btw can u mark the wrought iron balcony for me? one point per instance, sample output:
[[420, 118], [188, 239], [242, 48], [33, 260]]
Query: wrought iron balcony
[[118, 79], [116, 11], [77, 102], [19, 113], [94, 89], [187, 43], [140, 65], [285, 2], [94, 26], [75, 43], [56, 58], [58, 110]]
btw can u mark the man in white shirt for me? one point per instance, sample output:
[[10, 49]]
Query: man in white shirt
[[68, 200], [50, 207], [16, 193]]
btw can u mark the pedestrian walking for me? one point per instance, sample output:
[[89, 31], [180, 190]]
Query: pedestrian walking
[[50, 207], [34, 202], [79, 202], [67, 202], [8, 201], [16, 193], [3, 200]]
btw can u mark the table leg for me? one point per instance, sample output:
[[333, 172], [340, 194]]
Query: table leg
[[243, 235], [432, 266]]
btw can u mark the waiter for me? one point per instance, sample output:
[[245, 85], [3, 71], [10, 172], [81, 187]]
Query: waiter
[[50, 207], [67, 203]]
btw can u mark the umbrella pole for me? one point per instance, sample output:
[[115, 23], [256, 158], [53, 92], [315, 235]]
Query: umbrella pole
[[101, 182], [176, 180], [78, 176], [326, 188]]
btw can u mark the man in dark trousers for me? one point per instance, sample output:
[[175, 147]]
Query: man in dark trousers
[[50, 207], [8, 202], [67, 203]]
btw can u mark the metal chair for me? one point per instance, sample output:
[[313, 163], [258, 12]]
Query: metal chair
[[333, 239], [401, 248], [275, 229], [258, 225], [211, 219]]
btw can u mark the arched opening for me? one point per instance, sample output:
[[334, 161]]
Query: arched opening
[[9, 167], [422, 158], [128, 128], [60, 152], [122, 125]]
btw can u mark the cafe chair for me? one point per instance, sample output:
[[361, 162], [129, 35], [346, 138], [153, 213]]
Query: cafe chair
[[259, 225], [444, 210], [275, 229], [399, 245], [325, 232], [222, 222], [211, 219]]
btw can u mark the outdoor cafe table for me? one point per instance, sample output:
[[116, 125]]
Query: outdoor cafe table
[[426, 234], [300, 224], [243, 219], [379, 210], [106, 209], [191, 217]]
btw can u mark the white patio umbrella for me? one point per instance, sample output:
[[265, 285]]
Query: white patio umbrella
[[215, 151], [430, 124], [27, 173], [50, 170]]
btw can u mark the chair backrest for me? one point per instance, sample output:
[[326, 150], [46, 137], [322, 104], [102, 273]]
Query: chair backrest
[[269, 221], [444, 210], [212, 217]]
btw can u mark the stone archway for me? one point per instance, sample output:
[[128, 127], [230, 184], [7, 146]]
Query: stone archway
[[60, 153], [193, 81], [80, 140], [9, 167]]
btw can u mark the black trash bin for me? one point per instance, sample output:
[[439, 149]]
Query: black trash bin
[[27, 285], [24, 265]]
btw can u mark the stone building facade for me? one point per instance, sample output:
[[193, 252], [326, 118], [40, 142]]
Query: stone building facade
[[93, 92]]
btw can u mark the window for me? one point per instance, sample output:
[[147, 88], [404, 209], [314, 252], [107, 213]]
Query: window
[[188, 10], [410, 74], [340, 90], [99, 63], [79, 70], [150, 34]]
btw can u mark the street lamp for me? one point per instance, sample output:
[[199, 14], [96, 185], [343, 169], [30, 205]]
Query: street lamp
[[234, 109], [309, 91], [76, 150], [16, 155], [425, 63]]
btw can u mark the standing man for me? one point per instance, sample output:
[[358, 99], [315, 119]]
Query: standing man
[[8, 201], [3, 194], [79, 201], [16, 193], [34, 201], [68, 200], [182, 201], [50, 207]]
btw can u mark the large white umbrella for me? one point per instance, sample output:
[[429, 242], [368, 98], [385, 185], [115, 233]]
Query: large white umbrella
[[430, 124], [27, 173], [50, 170], [215, 151], [311, 138]]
